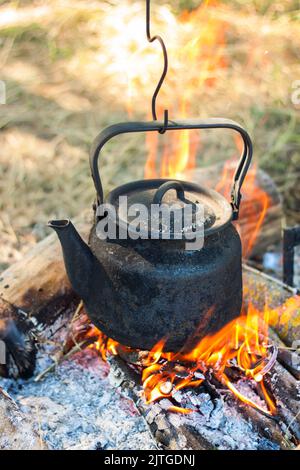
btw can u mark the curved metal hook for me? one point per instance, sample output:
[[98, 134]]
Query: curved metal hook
[[165, 70]]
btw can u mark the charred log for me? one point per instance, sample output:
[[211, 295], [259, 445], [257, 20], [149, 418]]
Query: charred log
[[19, 342], [35, 299], [158, 419], [286, 391], [266, 289]]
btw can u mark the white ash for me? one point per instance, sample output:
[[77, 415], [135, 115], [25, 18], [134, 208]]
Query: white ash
[[77, 408], [225, 428], [219, 421], [247, 390]]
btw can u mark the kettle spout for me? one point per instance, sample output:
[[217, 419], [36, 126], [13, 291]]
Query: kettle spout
[[78, 258]]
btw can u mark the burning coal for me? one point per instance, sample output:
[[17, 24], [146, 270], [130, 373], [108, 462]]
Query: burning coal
[[239, 351]]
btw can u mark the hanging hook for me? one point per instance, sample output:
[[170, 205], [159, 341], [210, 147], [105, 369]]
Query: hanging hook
[[165, 70]]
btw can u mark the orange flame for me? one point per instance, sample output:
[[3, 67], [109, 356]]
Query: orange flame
[[242, 347], [242, 344], [177, 151], [255, 204], [207, 53], [103, 344], [178, 409]]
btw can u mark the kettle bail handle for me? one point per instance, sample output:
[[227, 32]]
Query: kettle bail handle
[[151, 126], [165, 187]]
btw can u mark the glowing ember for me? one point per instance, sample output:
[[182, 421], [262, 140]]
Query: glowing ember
[[241, 350], [177, 409], [103, 344]]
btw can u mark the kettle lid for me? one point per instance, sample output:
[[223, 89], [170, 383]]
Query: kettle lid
[[208, 212]]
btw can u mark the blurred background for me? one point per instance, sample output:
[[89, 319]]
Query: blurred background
[[71, 67]]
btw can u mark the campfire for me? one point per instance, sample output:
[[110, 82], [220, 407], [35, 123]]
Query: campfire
[[240, 350], [239, 377]]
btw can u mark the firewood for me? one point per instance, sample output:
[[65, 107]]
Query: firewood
[[285, 388], [287, 356], [276, 429], [160, 425], [34, 294], [269, 428], [19, 343], [284, 427], [266, 289], [38, 284], [17, 432]]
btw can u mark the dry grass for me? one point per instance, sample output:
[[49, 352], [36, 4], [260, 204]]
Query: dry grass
[[66, 65]]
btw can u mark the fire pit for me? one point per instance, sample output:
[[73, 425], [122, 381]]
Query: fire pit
[[187, 403]]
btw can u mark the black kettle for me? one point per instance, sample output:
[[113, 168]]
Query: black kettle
[[138, 290]]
